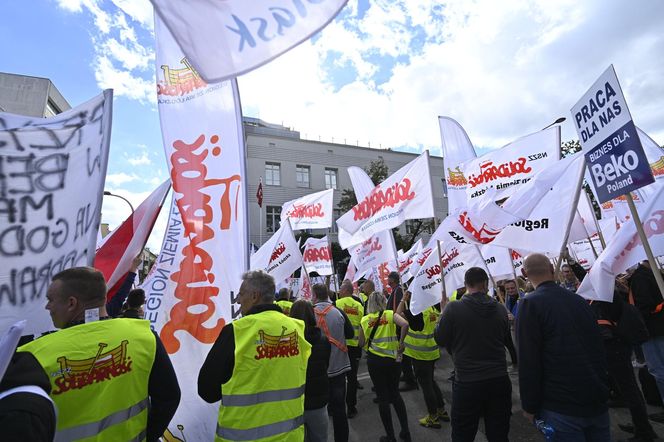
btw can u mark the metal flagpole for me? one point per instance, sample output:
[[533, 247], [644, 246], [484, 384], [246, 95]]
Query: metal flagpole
[[597, 226], [493, 281], [571, 216], [513, 268], [646, 245], [592, 246]]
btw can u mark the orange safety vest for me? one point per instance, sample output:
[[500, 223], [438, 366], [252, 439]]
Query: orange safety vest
[[322, 323]]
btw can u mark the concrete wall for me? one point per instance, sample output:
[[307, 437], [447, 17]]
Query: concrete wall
[[24, 95]]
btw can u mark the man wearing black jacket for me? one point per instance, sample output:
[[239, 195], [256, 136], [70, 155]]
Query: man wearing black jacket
[[562, 367], [475, 331]]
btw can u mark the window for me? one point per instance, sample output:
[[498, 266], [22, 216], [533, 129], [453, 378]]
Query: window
[[330, 178], [272, 174], [336, 214], [273, 220], [302, 176]]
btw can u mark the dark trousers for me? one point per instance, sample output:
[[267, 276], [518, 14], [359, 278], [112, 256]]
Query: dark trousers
[[433, 397], [354, 354], [491, 399], [407, 370], [384, 373], [618, 358], [337, 407]]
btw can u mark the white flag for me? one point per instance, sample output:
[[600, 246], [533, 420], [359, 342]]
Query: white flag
[[304, 291], [224, 39], [625, 250], [457, 149], [52, 173], [406, 259], [205, 251], [280, 256], [318, 256], [498, 261], [509, 168], [312, 211], [406, 194]]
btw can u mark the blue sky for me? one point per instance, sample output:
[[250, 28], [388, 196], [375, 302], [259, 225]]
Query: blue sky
[[380, 73]]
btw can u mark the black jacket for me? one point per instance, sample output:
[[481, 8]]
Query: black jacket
[[646, 298], [316, 391], [475, 332], [562, 366], [26, 416]]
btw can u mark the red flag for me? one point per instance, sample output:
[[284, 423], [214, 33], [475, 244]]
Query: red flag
[[259, 193], [115, 256]]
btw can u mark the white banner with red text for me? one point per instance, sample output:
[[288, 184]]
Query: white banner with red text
[[406, 194], [312, 211], [280, 256], [201, 127], [457, 149], [52, 174], [317, 256]]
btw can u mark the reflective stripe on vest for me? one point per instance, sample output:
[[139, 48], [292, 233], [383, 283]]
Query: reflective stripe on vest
[[422, 345], [261, 432], [99, 375], [385, 341], [245, 400], [354, 310], [266, 343], [94, 428], [322, 324]]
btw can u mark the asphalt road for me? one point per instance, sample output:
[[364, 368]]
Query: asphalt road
[[367, 427]]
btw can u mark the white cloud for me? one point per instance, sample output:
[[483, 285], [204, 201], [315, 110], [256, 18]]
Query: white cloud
[[117, 179], [141, 159], [503, 69], [123, 82]]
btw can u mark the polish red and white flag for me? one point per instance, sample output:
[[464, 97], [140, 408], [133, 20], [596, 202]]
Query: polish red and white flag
[[122, 245]]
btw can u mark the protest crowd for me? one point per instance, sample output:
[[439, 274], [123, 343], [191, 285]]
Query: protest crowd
[[224, 340]]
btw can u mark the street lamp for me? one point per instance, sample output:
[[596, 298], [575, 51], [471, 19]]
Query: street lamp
[[558, 121], [107, 193]]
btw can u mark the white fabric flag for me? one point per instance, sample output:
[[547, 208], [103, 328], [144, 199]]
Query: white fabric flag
[[194, 291], [304, 291], [583, 251], [625, 250], [280, 256], [421, 257], [406, 194], [224, 39], [527, 209], [317, 256], [456, 259], [52, 173], [380, 247], [509, 168], [498, 261], [457, 149], [312, 211], [351, 271], [406, 259]]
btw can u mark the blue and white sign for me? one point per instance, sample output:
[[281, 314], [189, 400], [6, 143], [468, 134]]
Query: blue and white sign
[[613, 151]]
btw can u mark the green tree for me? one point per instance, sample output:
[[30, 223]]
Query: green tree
[[570, 147]]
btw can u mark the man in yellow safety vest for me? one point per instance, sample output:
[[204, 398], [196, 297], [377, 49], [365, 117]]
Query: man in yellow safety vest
[[257, 368], [111, 379]]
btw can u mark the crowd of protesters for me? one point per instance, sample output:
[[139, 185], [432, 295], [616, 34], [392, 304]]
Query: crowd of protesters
[[575, 358]]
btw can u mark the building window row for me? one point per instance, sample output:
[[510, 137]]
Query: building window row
[[302, 176]]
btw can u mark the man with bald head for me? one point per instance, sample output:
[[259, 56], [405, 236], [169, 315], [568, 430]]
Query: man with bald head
[[562, 367]]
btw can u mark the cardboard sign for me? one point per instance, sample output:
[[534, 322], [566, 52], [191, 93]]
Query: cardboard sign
[[613, 151]]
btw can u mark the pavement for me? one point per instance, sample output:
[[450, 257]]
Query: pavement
[[367, 427]]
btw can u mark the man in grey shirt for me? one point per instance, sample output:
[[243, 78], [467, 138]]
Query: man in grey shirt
[[334, 323], [475, 331]]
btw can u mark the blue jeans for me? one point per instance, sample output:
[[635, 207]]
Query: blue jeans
[[578, 429], [315, 425], [653, 351]]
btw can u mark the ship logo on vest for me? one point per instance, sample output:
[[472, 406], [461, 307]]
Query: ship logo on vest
[[352, 311], [273, 346], [76, 374]]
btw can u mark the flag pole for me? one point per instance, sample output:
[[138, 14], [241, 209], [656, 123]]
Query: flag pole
[[597, 226], [592, 246], [513, 268], [571, 216], [644, 241], [493, 281]]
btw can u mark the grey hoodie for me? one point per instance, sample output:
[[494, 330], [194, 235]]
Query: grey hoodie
[[474, 331]]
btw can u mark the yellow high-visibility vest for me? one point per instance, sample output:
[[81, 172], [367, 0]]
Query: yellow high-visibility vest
[[421, 345], [264, 399], [99, 375], [385, 342], [285, 306], [354, 311]]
